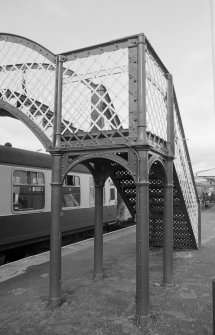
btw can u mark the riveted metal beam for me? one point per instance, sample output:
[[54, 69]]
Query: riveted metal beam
[[141, 90], [170, 117]]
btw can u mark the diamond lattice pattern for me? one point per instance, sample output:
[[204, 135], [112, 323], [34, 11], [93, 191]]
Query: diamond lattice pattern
[[184, 175], [95, 93], [27, 80], [156, 93]]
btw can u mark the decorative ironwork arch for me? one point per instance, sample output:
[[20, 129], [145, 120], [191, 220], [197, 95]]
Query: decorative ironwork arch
[[28, 43], [110, 157], [27, 72], [154, 159], [158, 160], [17, 114]]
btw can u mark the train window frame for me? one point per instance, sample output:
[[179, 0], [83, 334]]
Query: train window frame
[[112, 191], [31, 185], [91, 192], [77, 185]]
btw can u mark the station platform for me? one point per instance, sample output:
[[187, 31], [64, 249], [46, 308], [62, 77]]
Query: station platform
[[107, 306]]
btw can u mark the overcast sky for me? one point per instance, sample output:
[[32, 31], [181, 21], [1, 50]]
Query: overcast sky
[[179, 31]]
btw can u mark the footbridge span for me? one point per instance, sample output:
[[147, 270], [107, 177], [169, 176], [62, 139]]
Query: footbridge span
[[113, 108]]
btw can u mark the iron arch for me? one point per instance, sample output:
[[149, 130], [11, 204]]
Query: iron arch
[[155, 162], [6, 108], [157, 183], [85, 159], [28, 43]]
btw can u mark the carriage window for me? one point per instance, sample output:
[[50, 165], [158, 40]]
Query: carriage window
[[28, 190], [112, 191], [92, 192], [71, 191]]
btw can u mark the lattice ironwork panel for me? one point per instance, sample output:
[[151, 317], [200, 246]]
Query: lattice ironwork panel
[[156, 97], [126, 187], [183, 170], [95, 93], [27, 80]]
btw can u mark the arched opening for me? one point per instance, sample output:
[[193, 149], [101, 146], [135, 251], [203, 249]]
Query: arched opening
[[161, 213], [78, 192], [157, 179], [117, 168], [100, 195]]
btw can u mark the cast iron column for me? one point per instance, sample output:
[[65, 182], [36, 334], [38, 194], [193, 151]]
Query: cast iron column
[[56, 195], [168, 190], [98, 230], [55, 238], [168, 227], [142, 240], [142, 189]]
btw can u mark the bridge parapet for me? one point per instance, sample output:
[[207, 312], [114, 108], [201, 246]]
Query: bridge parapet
[[100, 94], [99, 90]]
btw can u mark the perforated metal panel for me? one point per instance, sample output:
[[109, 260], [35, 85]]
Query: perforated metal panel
[[126, 187], [183, 237], [156, 207], [182, 228]]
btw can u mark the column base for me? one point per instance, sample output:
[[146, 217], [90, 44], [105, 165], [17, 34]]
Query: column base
[[163, 284], [55, 302], [143, 321], [98, 276]]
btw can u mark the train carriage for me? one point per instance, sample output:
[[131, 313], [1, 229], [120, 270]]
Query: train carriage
[[25, 198]]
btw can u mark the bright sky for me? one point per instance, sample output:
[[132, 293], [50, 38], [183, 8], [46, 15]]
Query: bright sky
[[179, 31]]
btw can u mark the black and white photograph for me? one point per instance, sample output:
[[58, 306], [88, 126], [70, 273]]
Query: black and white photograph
[[107, 167]]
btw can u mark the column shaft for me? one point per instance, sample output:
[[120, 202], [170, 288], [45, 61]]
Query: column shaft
[[98, 234], [55, 234], [142, 238], [168, 227]]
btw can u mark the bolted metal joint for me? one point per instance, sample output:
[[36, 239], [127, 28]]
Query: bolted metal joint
[[62, 58]]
